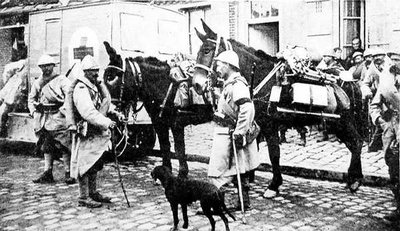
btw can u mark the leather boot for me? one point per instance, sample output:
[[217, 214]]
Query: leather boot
[[84, 199], [89, 203], [69, 179], [93, 193], [245, 193], [45, 178], [303, 140]]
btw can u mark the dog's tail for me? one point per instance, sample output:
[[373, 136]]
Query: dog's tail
[[221, 196]]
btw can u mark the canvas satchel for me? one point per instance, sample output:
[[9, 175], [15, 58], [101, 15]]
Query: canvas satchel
[[253, 132]]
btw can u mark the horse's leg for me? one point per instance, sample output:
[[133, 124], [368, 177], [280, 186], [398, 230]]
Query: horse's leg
[[165, 146], [179, 143], [347, 133], [271, 135]]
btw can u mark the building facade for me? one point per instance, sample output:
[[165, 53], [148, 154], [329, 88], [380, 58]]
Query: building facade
[[272, 25]]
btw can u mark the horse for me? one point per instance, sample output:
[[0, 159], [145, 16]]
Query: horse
[[148, 79], [255, 65]]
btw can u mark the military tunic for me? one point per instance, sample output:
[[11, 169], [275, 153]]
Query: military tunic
[[88, 102], [14, 77], [384, 110], [235, 88], [51, 118]]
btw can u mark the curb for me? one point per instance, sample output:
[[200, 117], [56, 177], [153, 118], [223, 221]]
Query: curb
[[319, 174], [296, 171]]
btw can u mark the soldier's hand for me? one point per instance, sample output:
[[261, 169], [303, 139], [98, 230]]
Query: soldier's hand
[[120, 116], [239, 140], [112, 124]]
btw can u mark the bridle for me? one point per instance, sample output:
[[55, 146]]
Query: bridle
[[217, 42], [208, 69], [137, 75]]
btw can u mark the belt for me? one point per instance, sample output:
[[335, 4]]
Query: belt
[[49, 108]]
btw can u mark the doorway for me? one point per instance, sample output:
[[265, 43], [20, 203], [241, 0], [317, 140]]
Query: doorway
[[265, 37]]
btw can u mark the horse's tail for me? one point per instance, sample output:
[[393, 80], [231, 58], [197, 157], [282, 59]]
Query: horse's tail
[[360, 118]]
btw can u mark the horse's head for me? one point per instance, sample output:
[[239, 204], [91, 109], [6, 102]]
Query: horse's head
[[114, 71], [122, 77], [211, 47]]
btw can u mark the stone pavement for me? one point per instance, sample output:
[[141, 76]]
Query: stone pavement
[[322, 160], [303, 205]]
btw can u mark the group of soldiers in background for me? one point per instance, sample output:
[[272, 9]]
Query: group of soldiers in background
[[378, 74]]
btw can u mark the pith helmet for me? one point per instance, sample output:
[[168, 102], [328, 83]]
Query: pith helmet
[[357, 53], [368, 52], [393, 52], [45, 60], [88, 63], [329, 52], [378, 52], [229, 57]]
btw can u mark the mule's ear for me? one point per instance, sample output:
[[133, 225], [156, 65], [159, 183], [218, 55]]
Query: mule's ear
[[207, 29], [110, 51], [201, 36]]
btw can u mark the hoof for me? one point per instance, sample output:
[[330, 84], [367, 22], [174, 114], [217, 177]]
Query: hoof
[[354, 186], [269, 194]]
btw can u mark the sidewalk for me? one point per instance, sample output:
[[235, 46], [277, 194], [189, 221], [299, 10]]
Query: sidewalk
[[327, 160]]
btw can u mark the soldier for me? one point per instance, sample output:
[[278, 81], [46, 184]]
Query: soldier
[[329, 64], [366, 64], [357, 66], [384, 110], [356, 46], [14, 94], [46, 105], [238, 113], [92, 102], [369, 87], [338, 55]]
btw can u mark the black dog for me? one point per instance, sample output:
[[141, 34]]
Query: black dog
[[185, 191]]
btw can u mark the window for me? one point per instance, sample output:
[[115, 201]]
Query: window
[[131, 25], [319, 18], [53, 37], [352, 23], [194, 22], [380, 23], [264, 9]]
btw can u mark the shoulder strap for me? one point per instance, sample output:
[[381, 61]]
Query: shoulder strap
[[241, 80]]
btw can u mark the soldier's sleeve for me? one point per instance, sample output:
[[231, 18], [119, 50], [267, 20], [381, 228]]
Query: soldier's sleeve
[[375, 107], [241, 97], [65, 86], [33, 97], [367, 83], [9, 70], [86, 109]]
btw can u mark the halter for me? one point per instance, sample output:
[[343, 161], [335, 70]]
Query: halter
[[217, 46]]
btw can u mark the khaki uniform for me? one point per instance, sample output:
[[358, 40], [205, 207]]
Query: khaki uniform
[[385, 105], [222, 150], [370, 82], [96, 139], [14, 77], [52, 118], [14, 93]]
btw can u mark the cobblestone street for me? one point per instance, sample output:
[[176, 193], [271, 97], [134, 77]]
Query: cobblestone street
[[302, 205]]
